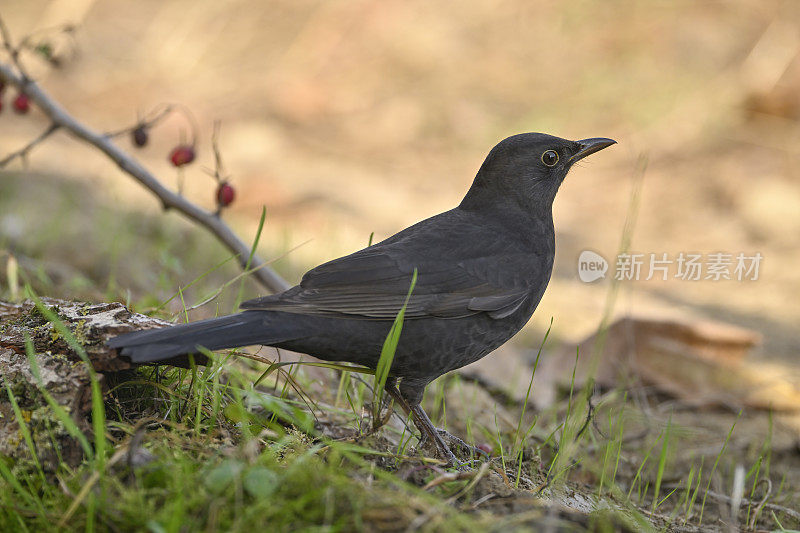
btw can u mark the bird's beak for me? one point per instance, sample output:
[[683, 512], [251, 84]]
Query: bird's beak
[[590, 146]]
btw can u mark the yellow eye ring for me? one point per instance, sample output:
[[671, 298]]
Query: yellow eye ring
[[550, 158]]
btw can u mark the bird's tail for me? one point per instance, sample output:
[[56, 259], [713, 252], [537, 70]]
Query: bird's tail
[[243, 329]]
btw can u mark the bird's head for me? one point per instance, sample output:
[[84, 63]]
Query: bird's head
[[526, 170]]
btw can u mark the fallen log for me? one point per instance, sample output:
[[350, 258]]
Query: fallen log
[[59, 371]]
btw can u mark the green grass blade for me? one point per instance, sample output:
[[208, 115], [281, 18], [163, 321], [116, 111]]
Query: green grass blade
[[195, 280], [693, 498], [530, 386], [714, 468], [662, 462], [98, 408], [321, 364], [240, 295], [12, 480], [23, 429], [641, 465], [58, 411], [387, 354]]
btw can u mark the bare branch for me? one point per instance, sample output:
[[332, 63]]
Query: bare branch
[[61, 119]]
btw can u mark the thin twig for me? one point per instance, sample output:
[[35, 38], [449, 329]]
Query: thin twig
[[23, 152], [768, 482], [589, 418], [158, 114], [60, 118], [219, 168], [13, 51]]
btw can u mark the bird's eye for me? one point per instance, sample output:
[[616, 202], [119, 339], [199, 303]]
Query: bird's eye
[[550, 158]]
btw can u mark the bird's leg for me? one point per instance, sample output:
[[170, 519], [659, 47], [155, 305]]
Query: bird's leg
[[428, 431], [394, 392], [443, 435], [421, 420], [391, 388]]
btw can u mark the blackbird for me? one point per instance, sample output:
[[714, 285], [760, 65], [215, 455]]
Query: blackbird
[[482, 268]]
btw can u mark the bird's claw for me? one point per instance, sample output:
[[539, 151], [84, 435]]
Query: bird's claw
[[463, 446], [475, 454]]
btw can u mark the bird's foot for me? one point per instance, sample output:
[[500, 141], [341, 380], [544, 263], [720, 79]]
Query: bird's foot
[[444, 452], [466, 449], [436, 437], [443, 444]]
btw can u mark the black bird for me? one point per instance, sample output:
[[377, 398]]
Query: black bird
[[482, 269]]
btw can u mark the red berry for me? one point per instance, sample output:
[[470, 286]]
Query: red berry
[[182, 155], [487, 449], [225, 194], [22, 103], [140, 136]]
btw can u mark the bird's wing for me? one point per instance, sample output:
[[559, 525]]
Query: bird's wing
[[373, 284]]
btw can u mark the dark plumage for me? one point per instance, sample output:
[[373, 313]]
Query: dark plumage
[[482, 269]]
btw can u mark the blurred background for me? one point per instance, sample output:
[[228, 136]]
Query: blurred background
[[352, 117]]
